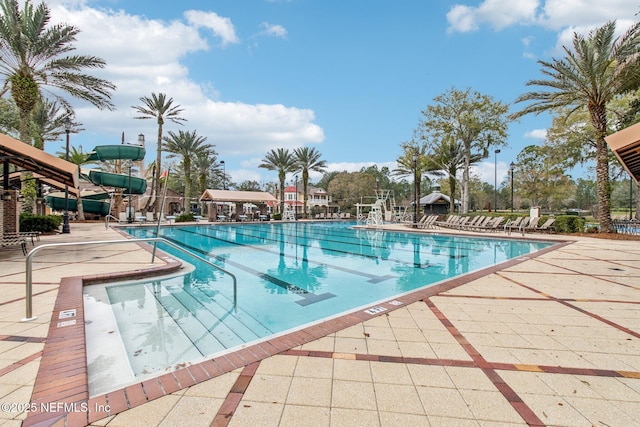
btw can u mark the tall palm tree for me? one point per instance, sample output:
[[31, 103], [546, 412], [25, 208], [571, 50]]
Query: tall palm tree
[[600, 67], [449, 156], [160, 108], [308, 159], [34, 55], [414, 162], [186, 145], [280, 160]]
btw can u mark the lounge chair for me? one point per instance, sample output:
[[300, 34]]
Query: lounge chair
[[547, 226], [449, 222], [428, 222], [531, 226], [14, 239], [514, 223]]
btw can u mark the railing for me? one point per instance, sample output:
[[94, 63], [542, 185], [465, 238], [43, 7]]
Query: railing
[[32, 253], [626, 226], [106, 221]]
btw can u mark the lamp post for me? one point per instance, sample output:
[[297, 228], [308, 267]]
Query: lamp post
[[415, 190], [224, 175], [296, 200], [129, 206], [512, 168], [65, 218], [495, 179]]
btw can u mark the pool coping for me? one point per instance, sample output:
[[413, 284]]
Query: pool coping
[[61, 385]]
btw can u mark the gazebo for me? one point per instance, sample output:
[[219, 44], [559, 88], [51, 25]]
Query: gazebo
[[58, 172], [258, 198]]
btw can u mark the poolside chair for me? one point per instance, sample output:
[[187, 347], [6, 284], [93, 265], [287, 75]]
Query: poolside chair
[[449, 222], [14, 239], [493, 225], [547, 226], [531, 226], [428, 222], [524, 222], [513, 223]]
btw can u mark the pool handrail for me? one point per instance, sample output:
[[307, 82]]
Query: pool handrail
[[32, 253], [106, 221]]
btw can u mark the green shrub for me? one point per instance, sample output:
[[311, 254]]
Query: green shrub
[[41, 223], [185, 217], [277, 216], [569, 224]]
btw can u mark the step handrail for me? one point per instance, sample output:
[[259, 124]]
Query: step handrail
[[106, 220], [32, 253]]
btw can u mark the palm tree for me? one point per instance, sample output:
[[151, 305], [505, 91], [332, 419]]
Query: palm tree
[[449, 156], [31, 58], [280, 160], [307, 159], [414, 161], [160, 108], [188, 145], [600, 67]]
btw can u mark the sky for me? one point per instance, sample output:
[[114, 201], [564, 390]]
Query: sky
[[349, 78]]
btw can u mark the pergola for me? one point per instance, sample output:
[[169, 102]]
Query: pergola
[[237, 197], [625, 144], [32, 159]]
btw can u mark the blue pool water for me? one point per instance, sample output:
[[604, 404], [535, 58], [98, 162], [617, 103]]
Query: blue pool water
[[289, 275]]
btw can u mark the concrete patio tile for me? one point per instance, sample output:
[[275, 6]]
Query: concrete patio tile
[[296, 416], [445, 402], [350, 345], [398, 398], [278, 365], [257, 414], [217, 387], [314, 367], [352, 370], [390, 373], [430, 376], [490, 406], [383, 347], [416, 349], [599, 411], [309, 392], [322, 344], [554, 410], [356, 331], [438, 421], [379, 333], [343, 417], [392, 419], [353, 395], [152, 413], [469, 378], [192, 411], [268, 388]]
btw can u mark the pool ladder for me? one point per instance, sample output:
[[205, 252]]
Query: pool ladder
[[32, 253]]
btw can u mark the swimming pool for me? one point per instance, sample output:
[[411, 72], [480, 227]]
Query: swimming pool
[[289, 275]]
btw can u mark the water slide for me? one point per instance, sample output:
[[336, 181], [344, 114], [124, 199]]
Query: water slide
[[98, 203]]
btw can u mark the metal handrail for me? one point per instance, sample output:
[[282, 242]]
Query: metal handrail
[[29, 266], [106, 221]]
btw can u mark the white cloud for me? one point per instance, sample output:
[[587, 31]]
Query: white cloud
[[145, 55], [553, 14], [222, 27], [536, 134], [498, 14], [273, 30]]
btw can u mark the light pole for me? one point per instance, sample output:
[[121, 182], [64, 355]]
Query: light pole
[[65, 218], [129, 206], [512, 168], [495, 179], [415, 190], [224, 175], [296, 200]]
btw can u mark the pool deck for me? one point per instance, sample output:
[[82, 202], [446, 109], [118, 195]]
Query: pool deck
[[549, 339]]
